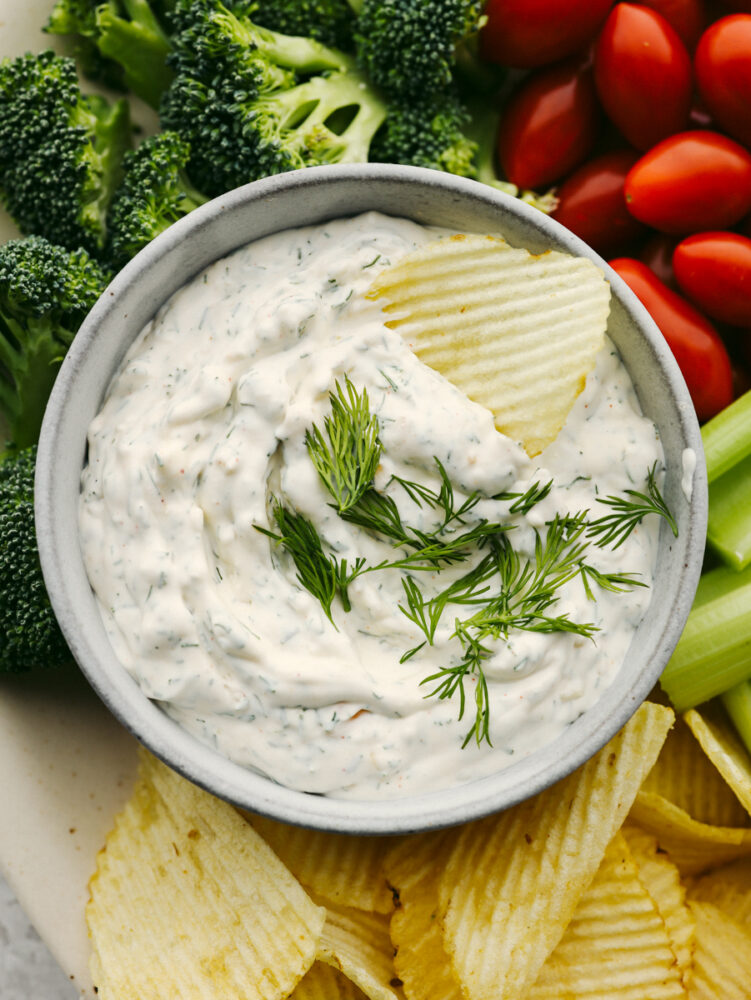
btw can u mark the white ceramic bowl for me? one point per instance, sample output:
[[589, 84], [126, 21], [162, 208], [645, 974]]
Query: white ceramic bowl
[[301, 198]]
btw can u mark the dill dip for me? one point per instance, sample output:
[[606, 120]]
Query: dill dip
[[203, 431]]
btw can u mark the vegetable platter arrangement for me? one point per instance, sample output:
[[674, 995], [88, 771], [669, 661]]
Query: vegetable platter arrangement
[[630, 123]]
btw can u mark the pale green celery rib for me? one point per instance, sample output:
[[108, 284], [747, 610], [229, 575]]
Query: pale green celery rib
[[737, 701], [714, 652], [727, 437], [729, 525]]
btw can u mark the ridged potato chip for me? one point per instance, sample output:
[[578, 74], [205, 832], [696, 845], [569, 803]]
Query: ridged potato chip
[[322, 982], [661, 879], [722, 961], [720, 742], [358, 944], [514, 880], [188, 902], [515, 331], [413, 869], [694, 847], [686, 777], [616, 946], [338, 868], [728, 888]]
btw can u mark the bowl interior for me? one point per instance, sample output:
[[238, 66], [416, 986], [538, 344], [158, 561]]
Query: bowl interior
[[211, 232]]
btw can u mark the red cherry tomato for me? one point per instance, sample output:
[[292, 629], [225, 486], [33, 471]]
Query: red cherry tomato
[[643, 75], [714, 271], [591, 203], [723, 74], [696, 345], [691, 182], [549, 125], [657, 254], [686, 17], [529, 33]]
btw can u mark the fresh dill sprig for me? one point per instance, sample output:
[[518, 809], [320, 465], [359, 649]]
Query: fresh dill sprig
[[614, 582], [501, 592], [442, 500], [628, 512], [451, 680], [347, 456], [325, 577], [524, 502]]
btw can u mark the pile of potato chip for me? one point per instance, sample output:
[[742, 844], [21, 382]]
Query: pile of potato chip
[[631, 878]]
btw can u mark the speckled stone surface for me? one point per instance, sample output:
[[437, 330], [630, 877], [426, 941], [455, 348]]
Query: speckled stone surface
[[26, 967]]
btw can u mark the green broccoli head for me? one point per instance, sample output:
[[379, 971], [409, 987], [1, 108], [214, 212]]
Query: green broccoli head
[[427, 133], [60, 152], [407, 47], [29, 634], [241, 100], [329, 21], [122, 42], [45, 293], [154, 193]]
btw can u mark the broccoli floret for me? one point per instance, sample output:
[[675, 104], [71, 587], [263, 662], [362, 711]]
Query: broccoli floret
[[45, 293], [237, 101], [154, 193], [329, 21], [122, 42], [29, 634], [60, 152], [407, 47], [427, 133]]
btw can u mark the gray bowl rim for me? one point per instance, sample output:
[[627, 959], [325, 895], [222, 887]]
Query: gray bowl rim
[[206, 767]]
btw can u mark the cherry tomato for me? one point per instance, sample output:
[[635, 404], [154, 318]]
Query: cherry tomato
[[643, 75], [549, 125], [714, 271], [529, 33], [591, 203], [691, 182], [723, 74], [686, 17], [695, 343], [657, 254]]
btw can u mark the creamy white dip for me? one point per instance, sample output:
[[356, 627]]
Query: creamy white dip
[[206, 419]]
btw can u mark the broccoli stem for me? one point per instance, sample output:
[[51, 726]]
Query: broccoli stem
[[140, 46]]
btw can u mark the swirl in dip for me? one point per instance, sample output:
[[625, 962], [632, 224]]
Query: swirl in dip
[[204, 429]]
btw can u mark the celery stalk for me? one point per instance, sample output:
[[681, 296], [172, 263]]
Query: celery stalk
[[727, 437], [737, 701], [714, 652], [729, 524]]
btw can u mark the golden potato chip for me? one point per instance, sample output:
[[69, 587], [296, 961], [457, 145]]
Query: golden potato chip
[[322, 982], [693, 846], [720, 742], [189, 902], [338, 868], [358, 944], [513, 880], [413, 869], [728, 888], [616, 946], [722, 960], [686, 777], [515, 331], [661, 878]]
